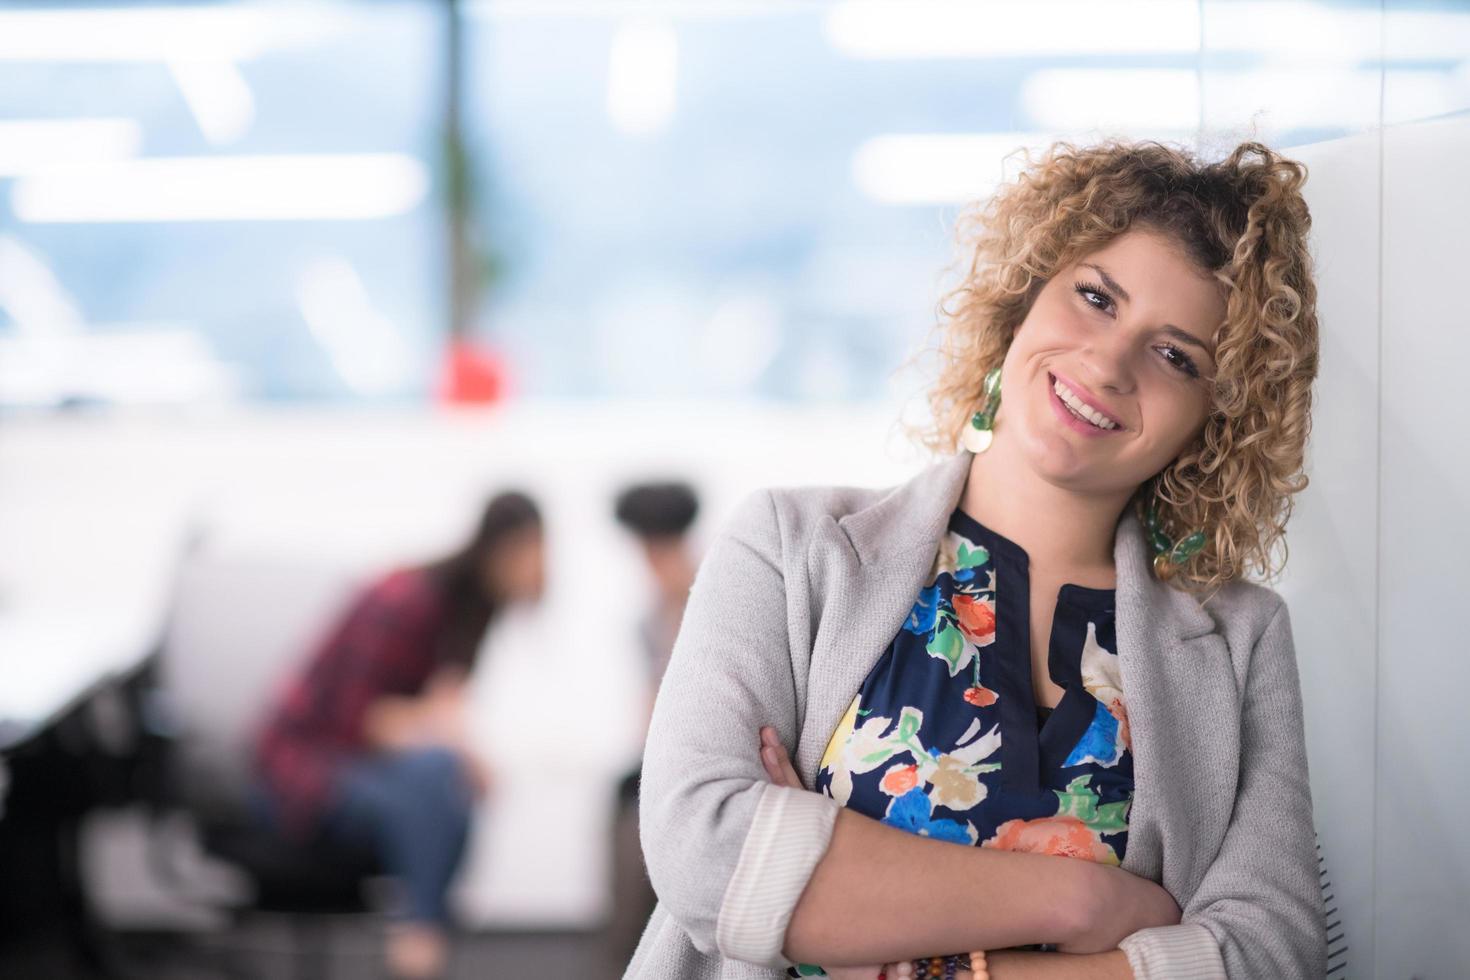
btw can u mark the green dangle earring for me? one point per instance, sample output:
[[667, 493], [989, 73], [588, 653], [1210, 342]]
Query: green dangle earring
[[1168, 554], [981, 429]]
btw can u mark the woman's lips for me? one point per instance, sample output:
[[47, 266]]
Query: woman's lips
[[1070, 420], [1084, 396]]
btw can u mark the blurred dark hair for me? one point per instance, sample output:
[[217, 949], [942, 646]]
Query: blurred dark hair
[[662, 509], [469, 609]]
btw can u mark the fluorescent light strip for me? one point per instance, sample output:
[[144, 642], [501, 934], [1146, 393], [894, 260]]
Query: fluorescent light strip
[[142, 34], [218, 96], [367, 349], [324, 187], [1303, 32], [36, 145], [965, 29], [31, 294], [642, 76]]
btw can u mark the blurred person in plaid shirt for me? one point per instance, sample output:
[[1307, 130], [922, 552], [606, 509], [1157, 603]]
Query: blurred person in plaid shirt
[[368, 750]]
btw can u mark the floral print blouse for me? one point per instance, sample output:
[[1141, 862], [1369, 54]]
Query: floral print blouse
[[945, 739]]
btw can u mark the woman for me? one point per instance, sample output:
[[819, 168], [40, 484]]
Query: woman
[[1128, 368], [368, 751]]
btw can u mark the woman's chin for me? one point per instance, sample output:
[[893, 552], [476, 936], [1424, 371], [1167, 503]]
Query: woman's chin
[[1051, 451], [1059, 461]]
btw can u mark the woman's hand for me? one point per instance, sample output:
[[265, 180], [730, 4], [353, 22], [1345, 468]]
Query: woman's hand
[[444, 718], [443, 708], [1121, 903], [436, 717], [479, 772], [777, 762]]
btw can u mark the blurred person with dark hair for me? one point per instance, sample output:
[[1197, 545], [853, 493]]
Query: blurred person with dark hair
[[660, 515], [368, 750]]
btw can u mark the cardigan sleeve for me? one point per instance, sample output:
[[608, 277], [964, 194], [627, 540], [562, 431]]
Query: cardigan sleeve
[[728, 852], [1258, 911]]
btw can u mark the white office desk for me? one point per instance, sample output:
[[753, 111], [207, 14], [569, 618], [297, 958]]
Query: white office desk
[[51, 659]]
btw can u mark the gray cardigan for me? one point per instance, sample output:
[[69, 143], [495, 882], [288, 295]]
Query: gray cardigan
[[798, 597]]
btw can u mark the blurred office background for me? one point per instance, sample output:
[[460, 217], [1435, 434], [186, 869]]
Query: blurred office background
[[287, 288]]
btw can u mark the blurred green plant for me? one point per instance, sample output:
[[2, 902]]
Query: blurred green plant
[[475, 264]]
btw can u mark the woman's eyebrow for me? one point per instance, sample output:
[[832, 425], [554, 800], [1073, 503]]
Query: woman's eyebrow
[[1169, 328], [1187, 337], [1110, 282]]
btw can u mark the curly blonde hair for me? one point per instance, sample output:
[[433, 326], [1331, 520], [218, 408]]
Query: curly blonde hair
[[1242, 221]]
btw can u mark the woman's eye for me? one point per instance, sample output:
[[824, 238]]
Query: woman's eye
[[1182, 361], [1087, 291]]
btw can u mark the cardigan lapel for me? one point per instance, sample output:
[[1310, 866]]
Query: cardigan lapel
[[866, 569], [1176, 670]]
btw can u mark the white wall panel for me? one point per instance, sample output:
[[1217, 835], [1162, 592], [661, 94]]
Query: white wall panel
[[1331, 577], [1423, 854]]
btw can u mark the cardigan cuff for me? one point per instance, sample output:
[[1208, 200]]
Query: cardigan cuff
[[787, 839], [1183, 952]]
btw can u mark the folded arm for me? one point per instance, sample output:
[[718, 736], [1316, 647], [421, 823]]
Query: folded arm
[[880, 894], [1004, 964]]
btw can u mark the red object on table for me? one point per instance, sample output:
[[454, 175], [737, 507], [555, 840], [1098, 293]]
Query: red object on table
[[472, 375]]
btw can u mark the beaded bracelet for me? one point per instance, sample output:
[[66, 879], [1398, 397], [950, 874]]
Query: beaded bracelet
[[941, 967]]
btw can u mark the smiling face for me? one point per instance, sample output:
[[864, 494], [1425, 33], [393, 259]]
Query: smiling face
[[1129, 331]]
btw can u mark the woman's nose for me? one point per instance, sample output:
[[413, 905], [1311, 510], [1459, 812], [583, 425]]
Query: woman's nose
[[1110, 363]]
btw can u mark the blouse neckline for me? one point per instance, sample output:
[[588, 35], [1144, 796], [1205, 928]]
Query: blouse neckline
[[1013, 554]]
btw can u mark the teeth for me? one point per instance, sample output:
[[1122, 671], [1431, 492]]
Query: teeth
[[1080, 409]]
